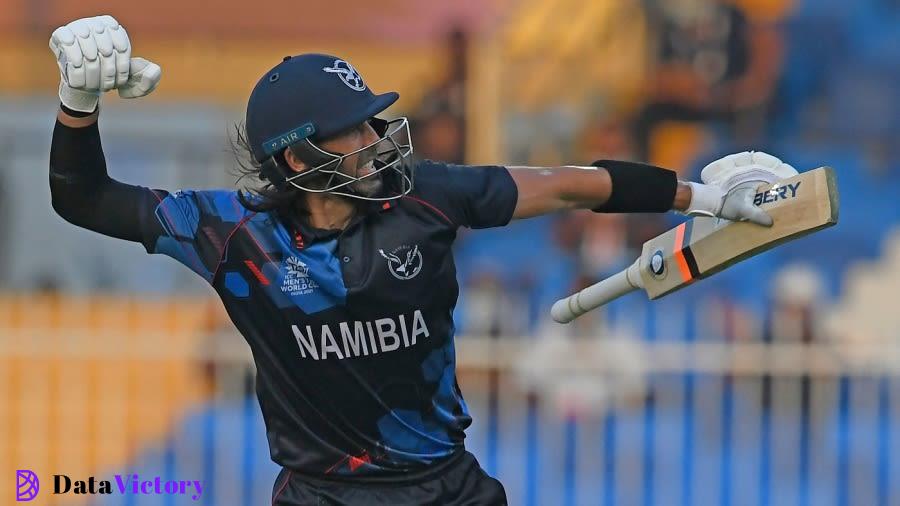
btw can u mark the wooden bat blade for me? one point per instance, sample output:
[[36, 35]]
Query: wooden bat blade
[[703, 246]]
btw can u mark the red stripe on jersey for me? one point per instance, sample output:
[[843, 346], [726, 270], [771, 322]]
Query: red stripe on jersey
[[431, 206], [225, 245], [256, 272], [283, 486]]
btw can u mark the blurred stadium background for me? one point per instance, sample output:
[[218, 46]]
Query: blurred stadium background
[[775, 382]]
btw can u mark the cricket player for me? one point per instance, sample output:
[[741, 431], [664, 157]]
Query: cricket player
[[337, 268]]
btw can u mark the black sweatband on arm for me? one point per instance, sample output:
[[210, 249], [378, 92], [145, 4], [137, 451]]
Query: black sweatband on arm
[[638, 188], [76, 114]]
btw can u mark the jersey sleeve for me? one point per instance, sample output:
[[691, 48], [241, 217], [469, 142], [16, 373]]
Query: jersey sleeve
[[474, 196], [189, 226], [192, 227]]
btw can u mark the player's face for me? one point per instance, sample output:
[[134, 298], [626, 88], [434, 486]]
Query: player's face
[[358, 164]]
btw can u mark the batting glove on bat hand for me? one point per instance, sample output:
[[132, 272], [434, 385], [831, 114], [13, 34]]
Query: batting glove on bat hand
[[94, 56], [731, 184]]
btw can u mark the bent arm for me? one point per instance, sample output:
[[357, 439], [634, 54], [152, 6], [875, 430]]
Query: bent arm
[[544, 190], [81, 190]]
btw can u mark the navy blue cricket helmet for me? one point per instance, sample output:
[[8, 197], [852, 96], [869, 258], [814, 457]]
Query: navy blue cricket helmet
[[308, 98]]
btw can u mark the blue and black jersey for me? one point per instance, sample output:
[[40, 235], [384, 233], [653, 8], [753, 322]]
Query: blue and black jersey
[[351, 330]]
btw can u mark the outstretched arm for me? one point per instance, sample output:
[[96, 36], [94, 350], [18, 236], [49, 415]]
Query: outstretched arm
[[728, 189], [545, 190]]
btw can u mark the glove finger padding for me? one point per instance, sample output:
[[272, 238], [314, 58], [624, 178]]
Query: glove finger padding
[[85, 38], [69, 57], [748, 166], [105, 49], [108, 72], [767, 160], [122, 47], [102, 37], [739, 206], [144, 78]]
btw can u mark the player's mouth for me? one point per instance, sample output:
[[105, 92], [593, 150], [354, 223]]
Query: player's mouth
[[366, 169]]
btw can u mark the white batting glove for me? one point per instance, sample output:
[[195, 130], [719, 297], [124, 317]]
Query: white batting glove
[[731, 171], [94, 56], [731, 184]]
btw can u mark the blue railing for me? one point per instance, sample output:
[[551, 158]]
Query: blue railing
[[711, 423]]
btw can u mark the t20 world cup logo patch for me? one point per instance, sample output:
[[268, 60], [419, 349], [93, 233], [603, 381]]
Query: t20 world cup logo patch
[[296, 278], [404, 262]]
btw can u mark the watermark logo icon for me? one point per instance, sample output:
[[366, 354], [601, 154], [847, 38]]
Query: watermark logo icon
[[27, 485]]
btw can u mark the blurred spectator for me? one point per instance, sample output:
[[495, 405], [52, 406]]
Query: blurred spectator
[[438, 125], [439, 134], [603, 247], [712, 64], [584, 368], [796, 298], [543, 138], [590, 325], [495, 309], [604, 136]]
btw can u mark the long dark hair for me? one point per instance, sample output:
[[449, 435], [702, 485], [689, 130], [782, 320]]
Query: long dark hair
[[259, 195]]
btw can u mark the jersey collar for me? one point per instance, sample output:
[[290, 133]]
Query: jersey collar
[[305, 234]]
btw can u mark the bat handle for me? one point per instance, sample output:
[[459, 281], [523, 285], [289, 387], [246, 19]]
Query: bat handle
[[596, 295]]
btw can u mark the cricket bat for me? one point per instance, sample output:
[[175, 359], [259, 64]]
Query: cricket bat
[[701, 247]]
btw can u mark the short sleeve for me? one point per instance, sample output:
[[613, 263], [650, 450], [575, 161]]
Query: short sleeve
[[193, 227], [474, 196]]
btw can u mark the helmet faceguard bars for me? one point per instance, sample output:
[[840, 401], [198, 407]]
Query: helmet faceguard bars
[[389, 159]]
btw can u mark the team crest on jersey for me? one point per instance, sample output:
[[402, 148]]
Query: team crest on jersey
[[404, 262], [296, 278], [348, 74]]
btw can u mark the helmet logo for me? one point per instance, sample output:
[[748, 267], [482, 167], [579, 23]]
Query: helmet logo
[[348, 74]]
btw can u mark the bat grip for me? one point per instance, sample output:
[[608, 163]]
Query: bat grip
[[596, 295]]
